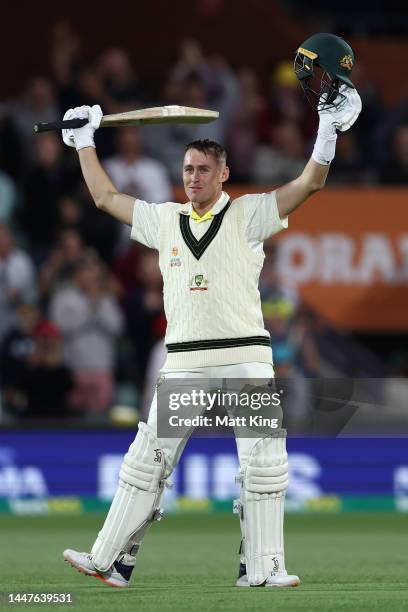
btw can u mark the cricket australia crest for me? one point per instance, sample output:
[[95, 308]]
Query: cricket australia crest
[[198, 283], [346, 62]]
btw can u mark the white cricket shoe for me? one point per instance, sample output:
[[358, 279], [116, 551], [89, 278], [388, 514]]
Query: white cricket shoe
[[116, 576], [277, 580]]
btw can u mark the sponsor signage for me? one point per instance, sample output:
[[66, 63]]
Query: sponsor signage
[[57, 471]]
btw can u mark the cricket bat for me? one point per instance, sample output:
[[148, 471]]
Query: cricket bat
[[143, 116]]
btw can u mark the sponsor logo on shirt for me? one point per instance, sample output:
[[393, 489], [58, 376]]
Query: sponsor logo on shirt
[[198, 283], [175, 261]]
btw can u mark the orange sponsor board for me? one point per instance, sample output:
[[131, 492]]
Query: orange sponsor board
[[346, 251]]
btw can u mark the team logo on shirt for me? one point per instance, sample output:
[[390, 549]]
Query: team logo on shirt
[[175, 261], [198, 283]]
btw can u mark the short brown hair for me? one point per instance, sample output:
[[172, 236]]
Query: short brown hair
[[208, 147]]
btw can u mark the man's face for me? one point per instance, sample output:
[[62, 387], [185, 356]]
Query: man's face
[[203, 176]]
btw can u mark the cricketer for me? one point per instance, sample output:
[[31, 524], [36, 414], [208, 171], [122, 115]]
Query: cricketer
[[214, 320]]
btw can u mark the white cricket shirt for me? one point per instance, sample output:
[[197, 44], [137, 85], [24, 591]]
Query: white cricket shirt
[[210, 272]]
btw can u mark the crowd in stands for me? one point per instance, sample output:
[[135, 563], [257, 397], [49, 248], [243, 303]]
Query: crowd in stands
[[81, 307]]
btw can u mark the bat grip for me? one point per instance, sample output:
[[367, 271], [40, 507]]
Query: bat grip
[[60, 125]]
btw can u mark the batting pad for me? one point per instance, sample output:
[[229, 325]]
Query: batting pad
[[136, 502], [263, 485]]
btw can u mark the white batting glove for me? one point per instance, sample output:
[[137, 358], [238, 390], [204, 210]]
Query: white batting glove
[[84, 136], [332, 119], [342, 117]]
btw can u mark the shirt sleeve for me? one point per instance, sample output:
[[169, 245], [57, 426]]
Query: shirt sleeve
[[262, 216], [146, 223]]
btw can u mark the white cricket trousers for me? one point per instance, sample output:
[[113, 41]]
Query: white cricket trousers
[[173, 447]]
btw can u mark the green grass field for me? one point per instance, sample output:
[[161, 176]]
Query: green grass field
[[346, 562]]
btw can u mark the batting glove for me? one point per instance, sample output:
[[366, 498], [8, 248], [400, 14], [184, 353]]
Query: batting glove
[[342, 117], [84, 136], [332, 119]]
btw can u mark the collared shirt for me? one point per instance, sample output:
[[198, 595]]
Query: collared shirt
[[196, 222], [205, 217], [260, 212]]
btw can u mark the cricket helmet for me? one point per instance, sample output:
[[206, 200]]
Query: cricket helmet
[[324, 62]]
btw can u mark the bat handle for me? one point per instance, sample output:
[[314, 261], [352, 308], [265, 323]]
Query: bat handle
[[60, 125]]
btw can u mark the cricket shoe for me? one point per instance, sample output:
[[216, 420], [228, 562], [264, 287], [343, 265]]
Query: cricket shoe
[[118, 575], [277, 579]]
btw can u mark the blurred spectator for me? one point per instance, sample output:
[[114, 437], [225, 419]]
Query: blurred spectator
[[17, 347], [145, 310], [89, 317], [278, 312], [49, 179], [65, 59], [372, 113], [293, 347], [126, 267], [245, 125], [136, 175], [11, 154], [348, 165], [286, 104], [37, 104], [284, 160], [199, 82], [43, 385], [61, 262], [17, 280], [122, 91], [395, 170], [133, 173], [205, 83], [70, 214], [8, 198]]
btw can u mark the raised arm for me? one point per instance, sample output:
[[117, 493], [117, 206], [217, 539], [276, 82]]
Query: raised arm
[[102, 190], [313, 177], [293, 194]]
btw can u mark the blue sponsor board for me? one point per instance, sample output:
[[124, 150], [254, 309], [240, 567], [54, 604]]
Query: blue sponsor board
[[325, 474]]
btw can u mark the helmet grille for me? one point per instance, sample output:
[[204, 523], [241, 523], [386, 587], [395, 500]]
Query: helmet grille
[[321, 91]]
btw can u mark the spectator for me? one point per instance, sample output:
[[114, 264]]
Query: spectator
[[42, 389], [11, 154], [8, 198], [17, 280], [49, 179], [71, 214], [135, 174], [245, 124], [284, 160], [349, 166], [371, 116], [37, 104], [145, 310], [395, 170], [198, 82], [90, 320], [60, 264], [17, 347], [122, 91], [286, 104], [65, 60]]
